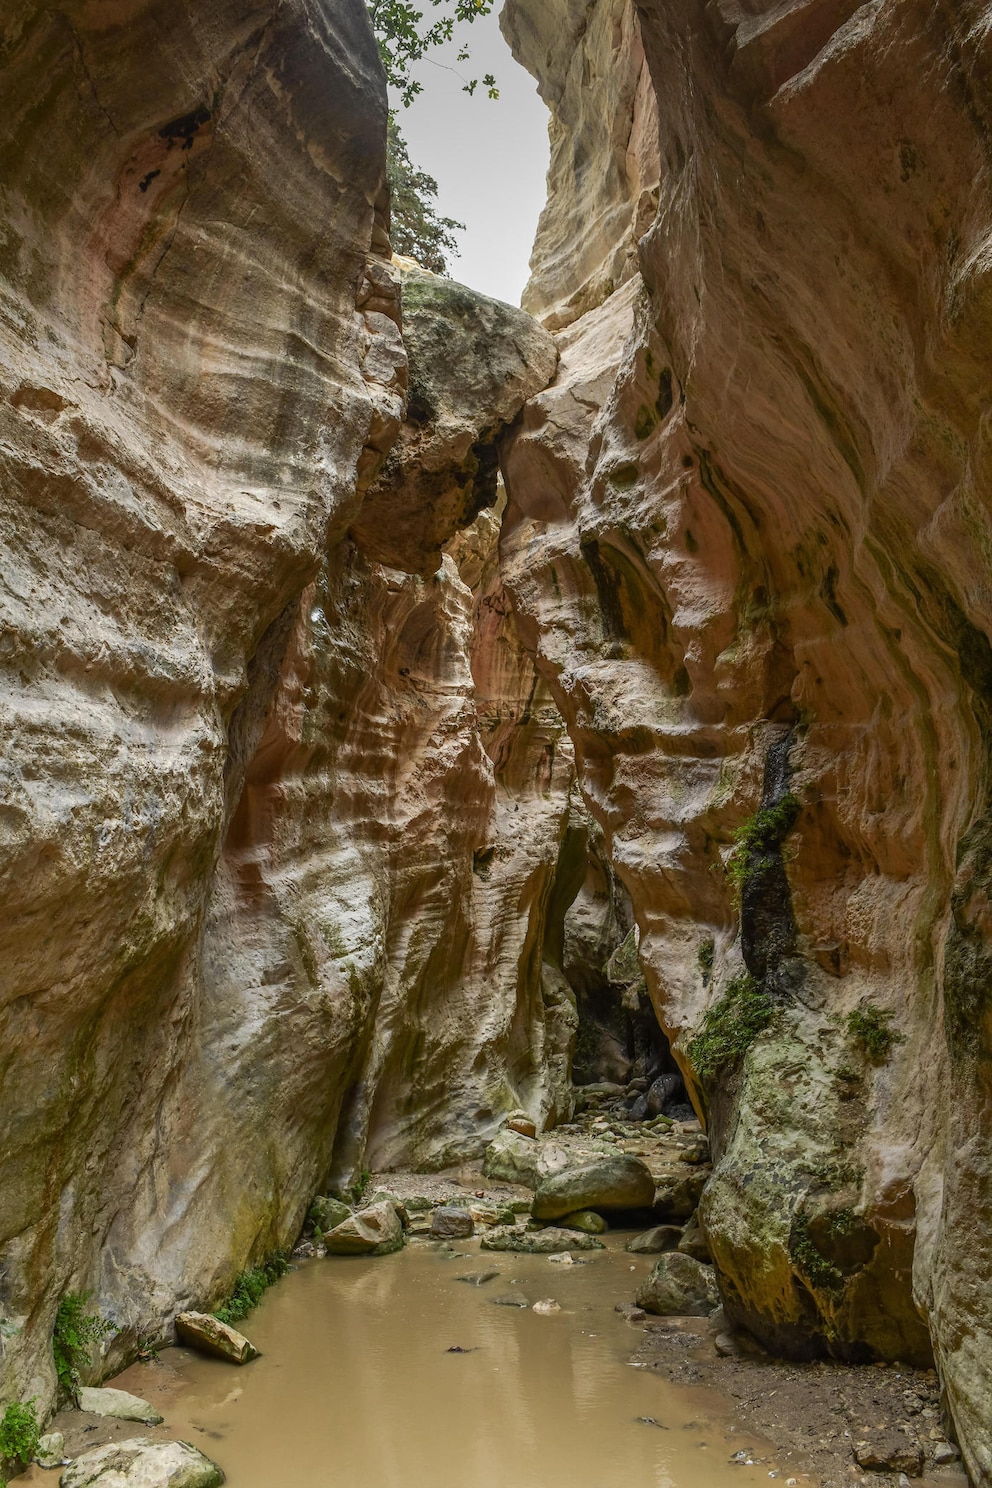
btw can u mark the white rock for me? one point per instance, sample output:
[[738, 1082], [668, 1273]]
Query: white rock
[[140, 1463], [118, 1403]]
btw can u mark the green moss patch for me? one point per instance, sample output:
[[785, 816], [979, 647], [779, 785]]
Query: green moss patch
[[870, 1029], [731, 1026], [762, 834], [249, 1287]]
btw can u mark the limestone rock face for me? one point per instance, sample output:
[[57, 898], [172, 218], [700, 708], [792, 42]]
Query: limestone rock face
[[280, 824], [748, 538]]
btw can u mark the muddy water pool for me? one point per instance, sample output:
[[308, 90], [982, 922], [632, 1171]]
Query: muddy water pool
[[356, 1377]]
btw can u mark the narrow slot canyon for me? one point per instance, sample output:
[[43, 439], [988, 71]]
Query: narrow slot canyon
[[496, 825]]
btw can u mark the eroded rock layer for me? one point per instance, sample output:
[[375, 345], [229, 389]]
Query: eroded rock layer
[[267, 906], [748, 539]]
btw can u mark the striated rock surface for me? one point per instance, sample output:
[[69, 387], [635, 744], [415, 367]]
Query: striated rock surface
[[748, 539], [269, 906]]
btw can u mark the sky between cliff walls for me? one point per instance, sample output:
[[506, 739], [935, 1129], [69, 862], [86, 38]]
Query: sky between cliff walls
[[489, 158]]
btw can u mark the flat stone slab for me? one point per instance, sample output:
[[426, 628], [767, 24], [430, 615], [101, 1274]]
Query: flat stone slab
[[118, 1403], [140, 1463], [539, 1242]]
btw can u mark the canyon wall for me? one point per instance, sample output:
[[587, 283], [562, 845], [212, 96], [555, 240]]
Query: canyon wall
[[748, 539], [267, 908]]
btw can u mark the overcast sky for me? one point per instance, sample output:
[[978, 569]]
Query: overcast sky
[[489, 158]]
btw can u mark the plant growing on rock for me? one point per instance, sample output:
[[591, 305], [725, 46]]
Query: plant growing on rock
[[19, 1433], [762, 834], [75, 1335], [869, 1027], [249, 1287], [731, 1026]]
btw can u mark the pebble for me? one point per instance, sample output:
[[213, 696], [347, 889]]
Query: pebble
[[546, 1306]]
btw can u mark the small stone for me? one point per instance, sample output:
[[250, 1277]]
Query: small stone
[[546, 1306], [511, 1299], [200, 1330], [142, 1463], [587, 1221], [890, 1451], [656, 1240], [120, 1404], [678, 1286], [944, 1452], [51, 1449], [478, 1278], [630, 1312], [726, 1346], [452, 1223], [521, 1123]]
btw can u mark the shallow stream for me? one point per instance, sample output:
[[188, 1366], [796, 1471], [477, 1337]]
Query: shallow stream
[[356, 1377]]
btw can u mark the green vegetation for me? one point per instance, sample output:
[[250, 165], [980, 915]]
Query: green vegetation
[[19, 1433], [731, 1026], [249, 1287], [415, 229], [760, 835], [704, 957], [813, 1266], [870, 1030], [404, 40], [74, 1337]]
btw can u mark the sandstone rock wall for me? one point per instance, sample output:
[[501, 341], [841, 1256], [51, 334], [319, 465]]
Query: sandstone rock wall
[[267, 911], [748, 539]]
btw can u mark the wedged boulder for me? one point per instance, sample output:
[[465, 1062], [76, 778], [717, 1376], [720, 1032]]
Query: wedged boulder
[[522, 1123], [374, 1231], [677, 1195], [616, 1182], [473, 362], [140, 1463], [118, 1403], [202, 1331], [655, 1241], [551, 1241], [678, 1286], [451, 1223]]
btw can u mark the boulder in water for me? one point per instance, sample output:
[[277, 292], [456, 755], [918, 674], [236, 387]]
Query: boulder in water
[[451, 1223], [374, 1231], [539, 1242], [202, 1331], [614, 1182]]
